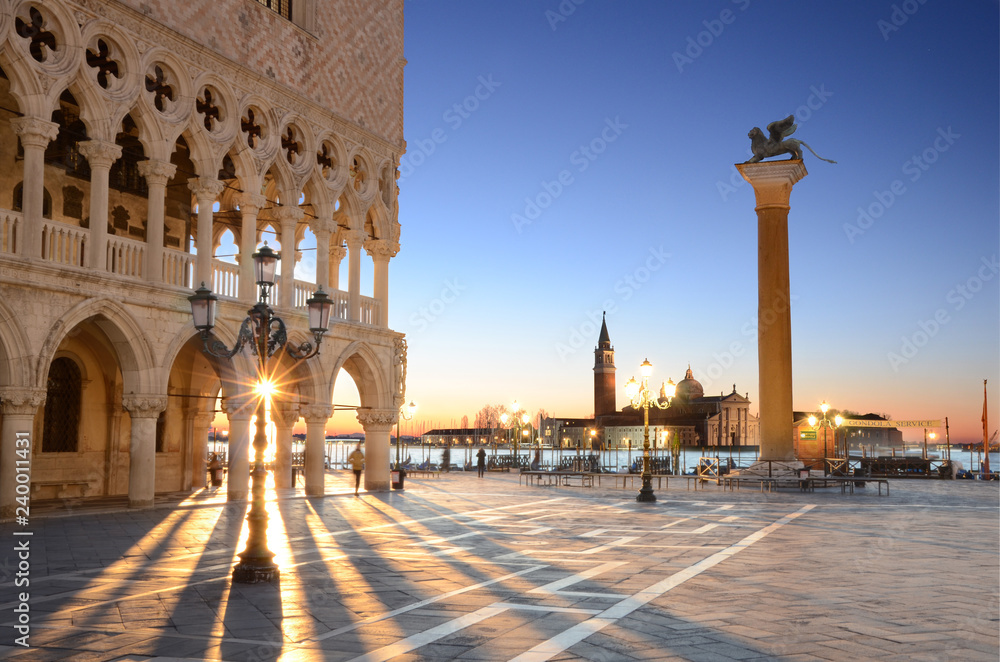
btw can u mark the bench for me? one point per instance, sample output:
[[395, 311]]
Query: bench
[[661, 479], [557, 477], [432, 473], [806, 484], [62, 491], [846, 483]]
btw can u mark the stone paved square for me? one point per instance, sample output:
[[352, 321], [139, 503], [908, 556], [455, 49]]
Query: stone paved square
[[486, 569]]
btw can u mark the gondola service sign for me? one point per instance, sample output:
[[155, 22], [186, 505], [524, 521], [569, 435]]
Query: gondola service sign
[[858, 423]]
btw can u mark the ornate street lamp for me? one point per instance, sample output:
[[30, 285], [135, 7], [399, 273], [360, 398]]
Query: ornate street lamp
[[640, 396], [516, 422], [825, 423], [406, 412], [264, 333]]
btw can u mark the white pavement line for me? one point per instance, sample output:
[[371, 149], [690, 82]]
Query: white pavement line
[[429, 636], [438, 541], [559, 584], [726, 507], [703, 529], [422, 603], [675, 523], [591, 534], [731, 518], [579, 632], [614, 543], [561, 610]]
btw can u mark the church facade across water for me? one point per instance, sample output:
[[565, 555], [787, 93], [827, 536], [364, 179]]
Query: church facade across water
[[692, 418]]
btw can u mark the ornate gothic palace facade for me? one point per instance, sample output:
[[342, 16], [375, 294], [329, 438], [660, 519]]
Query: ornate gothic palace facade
[[136, 137]]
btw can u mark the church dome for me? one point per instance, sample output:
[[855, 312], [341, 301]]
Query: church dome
[[689, 388]]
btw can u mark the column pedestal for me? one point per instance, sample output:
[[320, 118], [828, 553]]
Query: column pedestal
[[377, 424], [18, 407], [316, 417], [144, 410], [772, 182]]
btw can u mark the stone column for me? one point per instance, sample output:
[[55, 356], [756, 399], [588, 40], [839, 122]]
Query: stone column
[[157, 174], [322, 232], [144, 410], [239, 411], [288, 217], [772, 183], [355, 240], [250, 206], [201, 422], [206, 190], [377, 424], [101, 156], [35, 135], [380, 252], [336, 257], [284, 415], [18, 407], [316, 417]]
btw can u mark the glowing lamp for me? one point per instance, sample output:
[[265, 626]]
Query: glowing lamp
[[265, 263], [646, 369], [203, 308]]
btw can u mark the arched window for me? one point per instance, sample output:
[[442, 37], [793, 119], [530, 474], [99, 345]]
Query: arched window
[[18, 201], [62, 408]]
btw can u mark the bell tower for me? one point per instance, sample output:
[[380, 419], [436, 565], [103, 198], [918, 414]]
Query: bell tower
[[604, 374]]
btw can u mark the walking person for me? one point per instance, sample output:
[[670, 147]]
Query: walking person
[[215, 472], [357, 460], [481, 461], [446, 458]]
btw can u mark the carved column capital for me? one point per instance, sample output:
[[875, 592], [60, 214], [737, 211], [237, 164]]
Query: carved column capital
[[380, 249], [250, 203], [288, 214], [100, 154], [144, 406], [156, 172], [20, 401], [34, 131], [377, 420], [355, 239], [239, 407], [206, 189], [316, 413], [284, 414], [338, 253]]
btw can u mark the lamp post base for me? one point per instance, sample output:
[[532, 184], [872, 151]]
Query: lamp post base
[[250, 572], [645, 494]]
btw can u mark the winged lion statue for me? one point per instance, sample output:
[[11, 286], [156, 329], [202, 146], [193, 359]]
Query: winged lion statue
[[777, 142]]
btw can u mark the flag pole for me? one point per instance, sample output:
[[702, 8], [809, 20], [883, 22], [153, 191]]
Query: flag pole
[[984, 466]]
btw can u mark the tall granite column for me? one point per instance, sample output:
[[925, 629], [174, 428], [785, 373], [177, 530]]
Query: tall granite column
[[377, 424], [35, 135], [144, 410], [772, 183], [316, 417], [100, 156], [18, 406]]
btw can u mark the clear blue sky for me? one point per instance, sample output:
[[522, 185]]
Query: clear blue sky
[[561, 163]]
